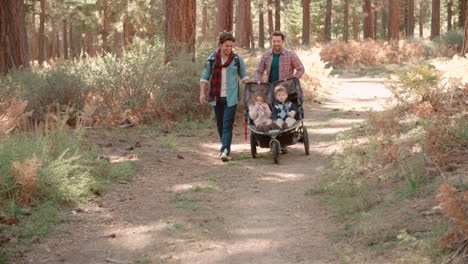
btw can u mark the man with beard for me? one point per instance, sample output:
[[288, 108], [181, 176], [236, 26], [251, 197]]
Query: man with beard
[[279, 63]]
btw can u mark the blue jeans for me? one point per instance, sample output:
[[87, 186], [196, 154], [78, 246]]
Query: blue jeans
[[224, 116]]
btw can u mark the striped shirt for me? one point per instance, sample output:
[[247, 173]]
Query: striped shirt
[[288, 62]]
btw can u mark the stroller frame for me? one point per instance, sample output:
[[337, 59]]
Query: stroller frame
[[274, 139]]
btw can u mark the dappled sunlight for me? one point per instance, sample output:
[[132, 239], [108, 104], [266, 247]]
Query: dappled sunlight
[[120, 158], [181, 187], [283, 177], [135, 237]]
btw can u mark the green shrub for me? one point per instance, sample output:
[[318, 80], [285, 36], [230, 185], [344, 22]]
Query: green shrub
[[67, 170], [415, 85], [61, 85], [452, 38]]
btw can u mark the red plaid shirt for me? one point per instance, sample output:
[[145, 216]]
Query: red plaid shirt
[[287, 63]]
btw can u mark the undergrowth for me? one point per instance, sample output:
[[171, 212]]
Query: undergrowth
[[383, 185]]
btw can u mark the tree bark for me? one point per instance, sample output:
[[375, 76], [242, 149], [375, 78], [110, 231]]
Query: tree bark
[[270, 18], [462, 14], [346, 21], [225, 15], [394, 25], [204, 20], [33, 44], [65, 39], [105, 30], [449, 15], [261, 26], [328, 15], [306, 23], [355, 26], [385, 20], [277, 15], [127, 27], [465, 40], [410, 30], [375, 23], [180, 28], [435, 19], [368, 20], [421, 19], [42, 33], [243, 19], [13, 39]]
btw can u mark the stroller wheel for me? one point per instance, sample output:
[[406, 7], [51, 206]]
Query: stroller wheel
[[305, 139], [253, 146], [275, 149]]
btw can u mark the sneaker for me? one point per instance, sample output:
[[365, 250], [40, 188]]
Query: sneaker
[[284, 150], [224, 156]]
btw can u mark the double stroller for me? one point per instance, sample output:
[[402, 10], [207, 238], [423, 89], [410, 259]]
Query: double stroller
[[275, 139]]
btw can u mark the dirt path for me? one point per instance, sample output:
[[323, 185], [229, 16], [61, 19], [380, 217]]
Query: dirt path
[[185, 206]]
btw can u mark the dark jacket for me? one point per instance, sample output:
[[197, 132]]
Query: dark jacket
[[281, 110]]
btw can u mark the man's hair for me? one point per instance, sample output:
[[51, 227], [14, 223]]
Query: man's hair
[[225, 36], [280, 88], [278, 33]]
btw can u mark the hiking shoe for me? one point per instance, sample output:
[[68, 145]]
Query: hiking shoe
[[275, 126], [224, 156]]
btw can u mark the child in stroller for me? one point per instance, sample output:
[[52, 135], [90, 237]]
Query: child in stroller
[[276, 139], [260, 112], [283, 110]]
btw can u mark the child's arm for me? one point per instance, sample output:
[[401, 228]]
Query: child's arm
[[274, 114], [292, 110], [253, 112], [267, 111]]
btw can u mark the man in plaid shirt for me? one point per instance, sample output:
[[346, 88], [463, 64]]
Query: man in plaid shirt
[[279, 63]]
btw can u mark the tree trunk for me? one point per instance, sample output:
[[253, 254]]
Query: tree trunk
[[270, 18], [105, 30], [72, 41], [368, 20], [242, 28], [306, 23], [385, 20], [346, 21], [42, 33], [435, 19], [53, 50], [277, 15], [421, 19], [375, 23], [13, 39], [204, 20], [180, 28], [462, 14], [57, 36], [410, 30], [355, 26], [261, 27], [328, 14], [394, 25], [449, 15], [225, 15], [89, 44], [65, 39], [465, 39], [33, 44], [127, 27]]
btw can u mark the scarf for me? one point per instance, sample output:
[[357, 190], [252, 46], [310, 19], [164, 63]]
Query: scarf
[[216, 75]]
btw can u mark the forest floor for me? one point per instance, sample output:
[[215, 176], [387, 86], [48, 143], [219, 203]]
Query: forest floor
[[186, 206]]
